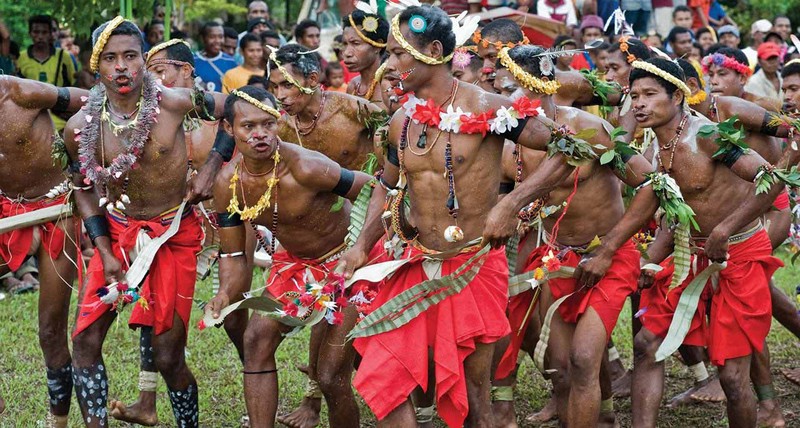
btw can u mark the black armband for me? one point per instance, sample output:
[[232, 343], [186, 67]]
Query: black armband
[[731, 155], [224, 144], [74, 167], [209, 104], [226, 219], [345, 183], [62, 101], [391, 155], [768, 126], [506, 187], [513, 134], [96, 226], [626, 157]]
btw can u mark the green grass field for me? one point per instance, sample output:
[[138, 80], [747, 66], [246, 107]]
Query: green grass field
[[214, 362]]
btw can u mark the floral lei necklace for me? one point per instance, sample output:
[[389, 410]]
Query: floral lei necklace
[[252, 213], [133, 136]]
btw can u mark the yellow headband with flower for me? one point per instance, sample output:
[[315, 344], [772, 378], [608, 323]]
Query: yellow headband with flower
[[161, 46], [419, 56], [100, 44], [652, 69], [529, 81], [256, 103], [369, 24], [273, 56]]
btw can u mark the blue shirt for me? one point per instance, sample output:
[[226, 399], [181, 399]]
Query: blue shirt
[[716, 12], [211, 70]]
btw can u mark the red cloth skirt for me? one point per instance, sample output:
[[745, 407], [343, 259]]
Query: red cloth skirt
[[168, 287], [658, 304], [395, 362], [15, 245], [607, 297], [781, 203]]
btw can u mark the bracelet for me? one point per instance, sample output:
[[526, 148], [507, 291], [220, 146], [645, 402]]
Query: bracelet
[[96, 226]]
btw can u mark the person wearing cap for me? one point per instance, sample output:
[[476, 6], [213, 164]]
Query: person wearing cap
[[729, 36], [257, 26], [766, 82], [591, 29], [558, 10], [758, 31]]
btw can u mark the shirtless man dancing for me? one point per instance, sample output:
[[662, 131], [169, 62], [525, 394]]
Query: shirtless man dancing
[[31, 180], [131, 120]]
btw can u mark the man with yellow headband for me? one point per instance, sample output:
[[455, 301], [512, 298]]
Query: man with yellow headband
[[32, 180], [290, 190], [584, 319], [715, 175], [128, 157], [364, 35]]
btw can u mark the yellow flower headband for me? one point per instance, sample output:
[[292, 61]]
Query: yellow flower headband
[[652, 69], [529, 81], [161, 46], [273, 56], [419, 56], [370, 24], [256, 103], [100, 44]]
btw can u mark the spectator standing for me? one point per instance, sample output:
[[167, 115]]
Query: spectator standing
[[334, 75], [212, 63], [766, 82], [567, 43], [270, 38], [729, 36], [758, 31], [257, 26], [591, 29], [558, 10], [230, 42], [700, 10], [44, 62], [153, 34], [783, 26], [253, 54], [6, 64], [679, 42], [637, 13], [307, 33], [662, 16], [706, 36], [681, 17], [717, 16]]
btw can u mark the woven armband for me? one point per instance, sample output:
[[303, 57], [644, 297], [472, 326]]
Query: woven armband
[[62, 101], [96, 226], [225, 219], [345, 183]]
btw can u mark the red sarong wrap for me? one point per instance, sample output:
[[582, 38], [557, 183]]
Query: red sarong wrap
[[15, 245], [741, 306], [658, 304], [168, 287], [286, 281], [395, 362], [781, 203], [607, 297]]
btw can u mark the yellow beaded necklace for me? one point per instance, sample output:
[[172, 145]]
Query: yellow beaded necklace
[[252, 213]]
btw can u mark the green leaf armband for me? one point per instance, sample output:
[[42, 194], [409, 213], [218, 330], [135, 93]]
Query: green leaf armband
[[619, 156], [600, 88], [730, 138], [573, 146], [768, 175]]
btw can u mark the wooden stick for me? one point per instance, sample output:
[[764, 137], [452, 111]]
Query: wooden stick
[[34, 218]]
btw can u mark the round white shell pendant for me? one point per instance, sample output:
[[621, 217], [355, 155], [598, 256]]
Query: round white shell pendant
[[453, 234]]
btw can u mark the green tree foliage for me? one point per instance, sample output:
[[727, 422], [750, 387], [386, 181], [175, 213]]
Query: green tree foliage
[[746, 12]]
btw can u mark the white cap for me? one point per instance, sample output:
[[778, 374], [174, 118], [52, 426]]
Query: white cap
[[762, 25]]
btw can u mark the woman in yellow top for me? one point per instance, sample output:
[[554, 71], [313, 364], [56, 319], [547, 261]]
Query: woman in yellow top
[[253, 54]]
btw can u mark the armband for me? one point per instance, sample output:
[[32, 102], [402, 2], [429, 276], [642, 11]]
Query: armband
[[230, 255], [62, 101], [391, 155], [345, 183], [225, 219], [731, 155], [506, 187], [224, 144], [626, 157], [74, 167], [386, 185], [208, 106], [96, 226], [514, 133], [770, 126]]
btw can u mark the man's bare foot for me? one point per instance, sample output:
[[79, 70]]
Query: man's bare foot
[[685, 397], [793, 375], [504, 415], [770, 414], [710, 393], [137, 413], [621, 386], [548, 413], [608, 420], [305, 416]]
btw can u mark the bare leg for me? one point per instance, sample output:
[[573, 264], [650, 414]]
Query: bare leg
[[425, 401], [261, 340], [235, 324], [307, 414], [169, 349], [558, 354], [143, 411], [586, 354], [784, 310], [56, 281], [735, 380], [607, 416], [401, 417], [478, 371], [334, 369], [89, 373], [694, 358], [648, 379], [502, 407], [769, 410]]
